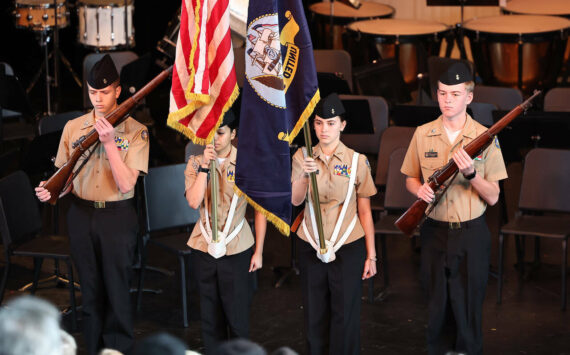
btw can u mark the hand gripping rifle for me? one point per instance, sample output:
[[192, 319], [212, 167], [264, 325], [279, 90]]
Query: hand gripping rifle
[[416, 214], [62, 178]]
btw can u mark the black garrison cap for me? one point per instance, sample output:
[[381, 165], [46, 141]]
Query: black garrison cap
[[329, 107], [229, 119], [457, 73], [103, 73]]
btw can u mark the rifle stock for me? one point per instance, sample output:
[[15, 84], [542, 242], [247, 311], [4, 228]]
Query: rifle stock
[[64, 175], [414, 216]]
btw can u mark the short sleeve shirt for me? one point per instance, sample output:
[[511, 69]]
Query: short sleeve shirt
[[430, 149], [332, 182], [226, 181], [95, 181]]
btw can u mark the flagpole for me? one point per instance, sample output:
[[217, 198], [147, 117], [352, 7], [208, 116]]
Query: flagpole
[[315, 190], [214, 199]]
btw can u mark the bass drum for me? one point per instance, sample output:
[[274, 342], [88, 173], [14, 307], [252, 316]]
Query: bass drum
[[524, 51], [40, 15], [342, 15], [106, 24], [410, 42]]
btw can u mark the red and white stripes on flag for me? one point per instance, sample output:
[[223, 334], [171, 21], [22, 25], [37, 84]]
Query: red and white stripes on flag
[[204, 82]]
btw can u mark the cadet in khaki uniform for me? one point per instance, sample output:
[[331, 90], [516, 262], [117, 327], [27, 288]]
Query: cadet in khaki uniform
[[224, 277], [456, 242], [332, 283], [102, 221]]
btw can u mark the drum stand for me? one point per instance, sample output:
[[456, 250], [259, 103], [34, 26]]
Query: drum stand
[[45, 38]]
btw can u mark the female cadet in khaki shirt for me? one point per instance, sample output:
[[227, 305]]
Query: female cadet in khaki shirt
[[332, 286]]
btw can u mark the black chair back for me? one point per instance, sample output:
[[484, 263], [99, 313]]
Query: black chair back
[[545, 181], [165, 203], [192, 149], [364, 112], [19, 208], [393, 137], [397, 197], [54, 123]]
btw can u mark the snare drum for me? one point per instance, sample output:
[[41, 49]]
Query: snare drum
[[524, 51], [105, 24], [40, 15], [410, 42], [342, 15]]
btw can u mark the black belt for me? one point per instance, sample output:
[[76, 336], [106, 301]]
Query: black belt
[[455, 225], [105, 204]]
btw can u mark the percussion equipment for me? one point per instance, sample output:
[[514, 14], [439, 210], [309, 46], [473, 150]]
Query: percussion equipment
[[40, 15], [167, 45], [524, 51], [410, 42], [342, 15], [542, 7], [106, 24]]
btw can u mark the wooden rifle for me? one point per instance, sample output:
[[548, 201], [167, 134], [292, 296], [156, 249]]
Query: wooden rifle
[[62, 178], [416, 214]]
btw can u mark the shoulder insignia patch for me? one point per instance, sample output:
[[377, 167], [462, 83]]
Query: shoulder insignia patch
[[144, 135], [497, 143]]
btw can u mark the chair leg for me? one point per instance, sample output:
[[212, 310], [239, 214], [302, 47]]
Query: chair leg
[[37, 269], [384, 261], [183, 290], [500, 272], [142, 269], [520, 244], [71, 286], [564, 261], [4, 280]]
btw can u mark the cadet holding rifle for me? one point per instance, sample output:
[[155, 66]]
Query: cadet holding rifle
[[102, 221], [455, 239]]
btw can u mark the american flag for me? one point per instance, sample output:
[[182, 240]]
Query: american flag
[[203, 81]]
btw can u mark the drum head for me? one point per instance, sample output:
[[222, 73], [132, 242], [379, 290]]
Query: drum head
[[517, 24], [397, 27], [367, 10], [539, 7], [100, 3], [44, 3]]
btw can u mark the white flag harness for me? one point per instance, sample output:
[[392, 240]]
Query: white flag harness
[[331, 246]]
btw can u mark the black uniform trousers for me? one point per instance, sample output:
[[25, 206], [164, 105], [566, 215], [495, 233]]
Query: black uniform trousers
[[454, 272], [332, 295], [102, 247], [225, 296]]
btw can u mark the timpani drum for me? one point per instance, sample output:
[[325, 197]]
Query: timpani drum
[[542, 7], [106, 24], [524, 51], [538, 7], [410, 42], [40, 15], [342, 15]]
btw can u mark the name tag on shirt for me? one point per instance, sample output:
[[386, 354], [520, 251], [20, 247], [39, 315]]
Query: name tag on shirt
[[430, 154]]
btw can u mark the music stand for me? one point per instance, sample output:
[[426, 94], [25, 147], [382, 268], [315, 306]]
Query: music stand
[[462, 4]]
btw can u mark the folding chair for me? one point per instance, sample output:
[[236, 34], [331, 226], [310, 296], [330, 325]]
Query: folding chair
[[54, 123], [542, 209], [502, 97], [483, 113], [20, 226], [334, 61], [392, 138], [397, 199], [166, 208], [557, 99]]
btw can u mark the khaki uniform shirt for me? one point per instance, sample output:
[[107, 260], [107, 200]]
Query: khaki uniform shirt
[[430, 149], [95, 181], [332, 181], [226, 181]]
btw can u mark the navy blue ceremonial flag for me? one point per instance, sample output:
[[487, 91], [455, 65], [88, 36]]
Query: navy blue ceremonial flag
[[279, 94]]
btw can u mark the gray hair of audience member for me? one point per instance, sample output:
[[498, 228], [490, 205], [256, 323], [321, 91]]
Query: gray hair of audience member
[[284, 350], [160, 343], [29, 325], [239, 346]]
